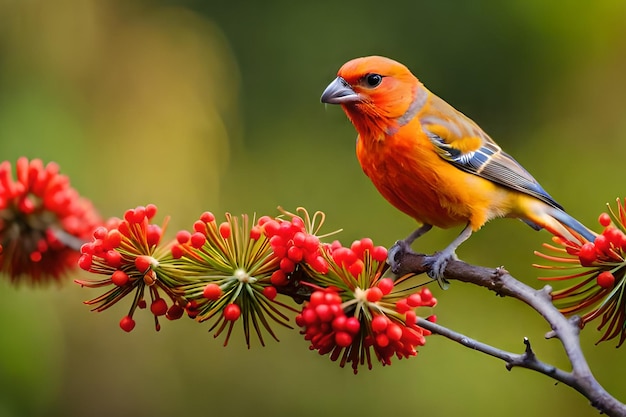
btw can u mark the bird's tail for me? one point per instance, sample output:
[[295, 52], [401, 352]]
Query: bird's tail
[[561, 224]]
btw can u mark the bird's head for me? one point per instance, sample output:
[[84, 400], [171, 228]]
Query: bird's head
[[376, 93]]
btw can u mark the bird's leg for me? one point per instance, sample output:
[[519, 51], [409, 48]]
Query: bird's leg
[[439, 260], [395, 253]]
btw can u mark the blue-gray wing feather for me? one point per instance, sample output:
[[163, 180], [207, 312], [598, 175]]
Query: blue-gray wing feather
[[493, 164]]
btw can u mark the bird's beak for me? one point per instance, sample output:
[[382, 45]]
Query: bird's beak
[[339, 92]]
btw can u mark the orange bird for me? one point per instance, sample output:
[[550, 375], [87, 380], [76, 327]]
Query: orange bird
[[435, 164]]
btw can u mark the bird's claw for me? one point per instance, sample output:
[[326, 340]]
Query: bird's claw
[[395, 255], [437, 264]]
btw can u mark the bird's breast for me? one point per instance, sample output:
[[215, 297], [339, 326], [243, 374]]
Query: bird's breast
[[409, 174]]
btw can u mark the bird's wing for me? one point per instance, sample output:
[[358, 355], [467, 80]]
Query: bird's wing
[[461, 142]]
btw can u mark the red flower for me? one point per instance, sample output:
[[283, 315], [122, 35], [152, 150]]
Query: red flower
[[43, 222], [130, 254], [356, 311], [598, 269], [227, 272]]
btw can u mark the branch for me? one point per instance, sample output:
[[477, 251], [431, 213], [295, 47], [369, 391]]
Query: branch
[[564, 329]]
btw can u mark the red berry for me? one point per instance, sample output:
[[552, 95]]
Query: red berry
[[331, 297], [605, 279], [183, 236], [151, 210], [343, 339], [197, 240], [379, 253], [113, 239], [602, 244], [113, 258], [394, 331], [139, 215], [295, 254], [427, 295], [255, 232], [367, 244], [129, 215], [174, 312], [287, 265], [339, 322], [353, 325], [285, 230], [84, 262], [127, 323], [311, 243], [200, 226], [153, 234], [279, 278], [357, 248], [212, 292], [614, 235], [320, 265], [324, 312], [297, 222], [344, 256], [271, 227], [232, 312], [379, 323], [604, 219], [414, 300], [225, 230], [374, 294], [318, 297], [177, 251], [100, 232], [385, 285], [270, 292], [587, 254], [382, 340], [158, 307], [356, 267], [207, 217], [263, 220], [124, 229], [142, 263], [402, 306], [119, 278], [410, 317], [299, 239]]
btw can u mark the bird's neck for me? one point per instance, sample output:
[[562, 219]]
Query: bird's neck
[[374, 123], [370, 128]]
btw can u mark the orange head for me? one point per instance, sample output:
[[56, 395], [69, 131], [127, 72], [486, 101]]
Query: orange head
[[378, 94]]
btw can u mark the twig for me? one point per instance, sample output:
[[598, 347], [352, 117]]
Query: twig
[[564, 329]]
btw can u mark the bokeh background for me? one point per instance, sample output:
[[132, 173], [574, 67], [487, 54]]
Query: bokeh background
[[214, 105]]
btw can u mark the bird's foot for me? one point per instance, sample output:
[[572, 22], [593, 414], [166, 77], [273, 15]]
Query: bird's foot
[[437, 264], [395, 255]]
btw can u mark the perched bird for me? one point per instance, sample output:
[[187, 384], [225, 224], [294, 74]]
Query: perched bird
[[435, 164]]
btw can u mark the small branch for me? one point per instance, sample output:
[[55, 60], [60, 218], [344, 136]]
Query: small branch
[[526, 360], [562, 328]]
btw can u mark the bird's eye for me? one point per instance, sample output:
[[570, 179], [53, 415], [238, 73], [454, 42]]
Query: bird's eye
[[373, 80]]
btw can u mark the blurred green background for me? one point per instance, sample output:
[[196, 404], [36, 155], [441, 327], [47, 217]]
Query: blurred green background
[[214, 105]]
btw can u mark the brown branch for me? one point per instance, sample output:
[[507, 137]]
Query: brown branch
[[564, 329]]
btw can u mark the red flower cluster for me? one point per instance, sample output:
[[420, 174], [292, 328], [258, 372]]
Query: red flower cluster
[[359, 311], [129, 252], [228, 271], [599, 268], [292, 244], [234, 271], [43, 222]]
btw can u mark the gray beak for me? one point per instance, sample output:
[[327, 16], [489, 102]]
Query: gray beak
[[339, 92]]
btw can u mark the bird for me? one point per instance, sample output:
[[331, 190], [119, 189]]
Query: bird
[[435, 164]]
